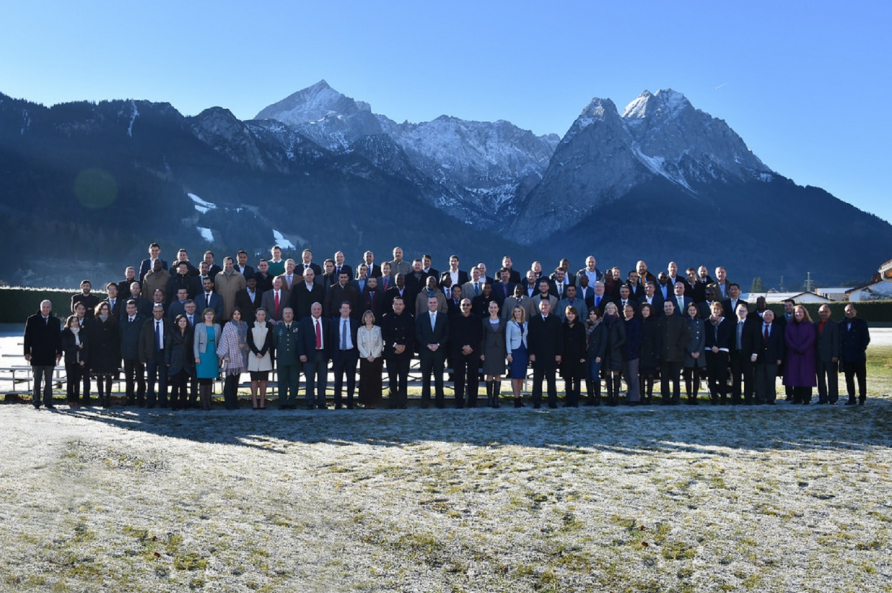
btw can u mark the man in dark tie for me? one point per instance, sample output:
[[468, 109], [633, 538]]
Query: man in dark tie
[[288, 365], [546, 345], [741, 353], [314, 349], [134, 369], [768, 353], [345, 353], [154, 343], [340, 266], [432, 334]]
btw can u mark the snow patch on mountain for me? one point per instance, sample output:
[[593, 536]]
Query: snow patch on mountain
[[201, 205], [133, 115], [206, 234], [281, 241]]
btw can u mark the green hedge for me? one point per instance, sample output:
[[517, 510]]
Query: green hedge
[[17, 304]]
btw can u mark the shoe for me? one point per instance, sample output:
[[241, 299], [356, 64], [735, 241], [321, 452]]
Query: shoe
[[851, 402], [50, 407], [552, 406], [309, 407]]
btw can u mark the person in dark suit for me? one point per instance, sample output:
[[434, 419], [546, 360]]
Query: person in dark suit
[[730, 303], [458, 276], [134, 370], [426, 261], [742, 344], [314, 348], [399, 289], [197, 285], [398, 332], [719, 333], [307, 264], [372, 298], [653, 298], [768, 353], [465, 339], [115, 303], [827, 361], [305, 294], [148, 263], [263, 277], [453, 301], [181, 278], [154, 343], [600, 298], [706, 305], [432, 335], [674, 334], [129, 278], [341, 291], [514, 275], [504, 288], [209, 299], [213, 268], [672, 276], [340, 266], [86, 297], [276, 300], [696, 284], [368, 258], [43, 349], [248, 300], [242, 266], [345, 353], [177, 307], [546, 344], [854, 336]]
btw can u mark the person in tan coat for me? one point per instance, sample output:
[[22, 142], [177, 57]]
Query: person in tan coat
[[227, 284]]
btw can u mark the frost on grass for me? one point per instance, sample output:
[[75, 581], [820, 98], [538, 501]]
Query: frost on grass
[[698, 499]]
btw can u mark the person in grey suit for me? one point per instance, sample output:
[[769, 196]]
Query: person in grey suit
[[268, 301], [432, 334], [827, 361]]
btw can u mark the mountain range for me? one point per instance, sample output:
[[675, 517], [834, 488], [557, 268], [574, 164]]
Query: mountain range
[[84, 187]]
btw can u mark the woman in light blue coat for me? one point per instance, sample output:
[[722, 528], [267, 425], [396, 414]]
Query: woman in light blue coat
[[516, 332]]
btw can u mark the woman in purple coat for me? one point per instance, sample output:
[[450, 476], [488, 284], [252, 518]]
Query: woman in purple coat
[[799, 372]]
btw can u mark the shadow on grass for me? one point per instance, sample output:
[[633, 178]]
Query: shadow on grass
[[710, 430]]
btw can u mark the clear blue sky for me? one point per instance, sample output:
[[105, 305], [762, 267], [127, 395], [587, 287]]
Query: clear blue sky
[[804, 83]]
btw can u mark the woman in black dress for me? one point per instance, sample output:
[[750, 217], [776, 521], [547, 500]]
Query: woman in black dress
[[180, 362], [573, 368], [649, 363], [105, 351]]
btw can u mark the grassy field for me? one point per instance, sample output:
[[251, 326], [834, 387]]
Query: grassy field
[[684, 499]]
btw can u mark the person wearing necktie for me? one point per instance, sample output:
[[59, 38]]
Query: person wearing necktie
[[768, 353], [432, 334], [314, 348], [134, 370], [346, 355], [288, 365], [154, 342]]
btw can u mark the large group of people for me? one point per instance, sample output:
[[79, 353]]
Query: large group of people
[[176, 329]]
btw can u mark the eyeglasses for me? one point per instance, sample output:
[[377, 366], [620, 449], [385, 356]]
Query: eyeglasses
[[465, 305]]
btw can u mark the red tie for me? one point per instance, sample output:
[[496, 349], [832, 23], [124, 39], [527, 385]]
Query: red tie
[[318, 336], [277, 303]]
